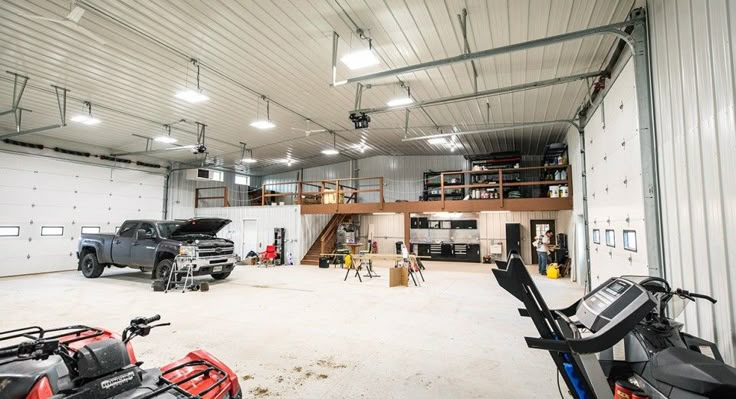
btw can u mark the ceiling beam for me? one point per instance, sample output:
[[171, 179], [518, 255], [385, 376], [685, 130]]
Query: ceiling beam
[[485, 93], [495, 129], [612, 29]]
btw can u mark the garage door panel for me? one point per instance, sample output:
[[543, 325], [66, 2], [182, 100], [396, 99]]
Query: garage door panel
[[70, 195]]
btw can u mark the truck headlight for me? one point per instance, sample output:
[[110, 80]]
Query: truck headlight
[[188, 251]]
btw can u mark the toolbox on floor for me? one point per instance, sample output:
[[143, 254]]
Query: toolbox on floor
[[324, 262]]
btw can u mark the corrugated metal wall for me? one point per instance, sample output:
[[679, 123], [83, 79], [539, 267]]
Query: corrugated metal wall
[[301, 230], [403, 174], [694, 73], [333, 171]]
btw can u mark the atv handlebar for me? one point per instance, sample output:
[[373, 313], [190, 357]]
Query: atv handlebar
[[140, 327]]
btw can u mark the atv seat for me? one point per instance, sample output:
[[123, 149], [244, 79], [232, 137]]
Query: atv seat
[[690, 371]]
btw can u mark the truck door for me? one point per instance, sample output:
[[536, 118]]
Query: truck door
[[143, 249], [121, 244]]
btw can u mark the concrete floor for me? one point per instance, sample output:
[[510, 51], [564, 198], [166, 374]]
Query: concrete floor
[[301, 332]]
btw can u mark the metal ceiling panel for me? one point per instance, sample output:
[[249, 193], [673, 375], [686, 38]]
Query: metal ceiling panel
[[282, 50]]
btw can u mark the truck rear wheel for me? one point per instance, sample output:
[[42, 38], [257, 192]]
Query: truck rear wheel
[[220, 276], [163, 269], [91, 268]]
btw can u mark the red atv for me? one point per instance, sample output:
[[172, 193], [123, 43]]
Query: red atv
[[82, 362]]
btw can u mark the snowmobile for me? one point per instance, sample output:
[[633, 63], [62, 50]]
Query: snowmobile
[[622, 341], [83, 362]]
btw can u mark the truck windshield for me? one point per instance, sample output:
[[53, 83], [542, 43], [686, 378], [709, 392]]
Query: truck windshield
[[165, 229]]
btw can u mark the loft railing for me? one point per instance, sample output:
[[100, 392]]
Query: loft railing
[[328, 191]]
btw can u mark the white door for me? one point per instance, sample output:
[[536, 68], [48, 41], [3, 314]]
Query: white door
[[250, 236]]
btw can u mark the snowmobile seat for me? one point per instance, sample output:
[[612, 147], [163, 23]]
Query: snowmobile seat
[[694, 372]]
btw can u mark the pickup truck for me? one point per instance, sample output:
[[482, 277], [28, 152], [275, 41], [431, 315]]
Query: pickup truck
[[152, 245]]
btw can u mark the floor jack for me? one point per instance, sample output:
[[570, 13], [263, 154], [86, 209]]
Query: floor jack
[[181, 277]]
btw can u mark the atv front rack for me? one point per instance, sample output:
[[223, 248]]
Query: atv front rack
[[35, 333], [184, 383]]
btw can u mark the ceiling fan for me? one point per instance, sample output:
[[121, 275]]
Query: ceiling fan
[[71, 21], [309, 131]]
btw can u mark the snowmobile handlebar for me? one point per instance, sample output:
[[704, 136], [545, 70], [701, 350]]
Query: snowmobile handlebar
[[693, 295]]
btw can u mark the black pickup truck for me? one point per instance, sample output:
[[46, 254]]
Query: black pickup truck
[[153, 245]]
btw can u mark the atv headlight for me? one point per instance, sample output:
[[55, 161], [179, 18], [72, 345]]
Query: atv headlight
[[188, 251]]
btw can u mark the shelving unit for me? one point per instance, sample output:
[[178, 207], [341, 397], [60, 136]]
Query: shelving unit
[[486, 169], [278, 241], [433, 185]]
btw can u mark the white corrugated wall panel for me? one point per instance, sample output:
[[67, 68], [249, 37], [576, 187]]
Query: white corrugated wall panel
[[267, 218], [42, 191], [403, 174], [613, 167], [694, 73], [326, 172]]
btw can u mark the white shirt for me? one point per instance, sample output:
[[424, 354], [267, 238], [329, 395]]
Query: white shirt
[[542, 244]]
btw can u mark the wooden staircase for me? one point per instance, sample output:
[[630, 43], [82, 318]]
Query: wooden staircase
[[325, 243]]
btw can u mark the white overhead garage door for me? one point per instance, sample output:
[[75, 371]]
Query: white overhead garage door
[[45, 203]]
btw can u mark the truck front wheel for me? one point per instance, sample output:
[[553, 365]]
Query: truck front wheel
[[163, 269], [91, 268]]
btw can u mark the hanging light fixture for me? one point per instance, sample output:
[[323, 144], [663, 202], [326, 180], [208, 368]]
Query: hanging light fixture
[[189, 95], [333, 150], [403, 100], [166, 138], [361, 58], [86, 117], [246, 155], [263, 123]]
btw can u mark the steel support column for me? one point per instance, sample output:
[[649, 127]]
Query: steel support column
[[586, 219], [647, 140]]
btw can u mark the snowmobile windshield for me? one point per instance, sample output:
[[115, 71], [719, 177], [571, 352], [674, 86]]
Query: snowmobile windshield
[[676, 306]]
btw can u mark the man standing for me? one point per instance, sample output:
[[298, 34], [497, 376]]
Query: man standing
[[542, 250]]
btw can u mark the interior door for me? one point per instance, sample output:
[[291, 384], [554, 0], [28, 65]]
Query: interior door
[[143, 250], [249, 236], [537, 228], [122, 243]]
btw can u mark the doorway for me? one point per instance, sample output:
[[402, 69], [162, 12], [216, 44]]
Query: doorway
[[537, 228], [249, 237]]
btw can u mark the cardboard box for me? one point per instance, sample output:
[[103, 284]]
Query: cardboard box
[[253, 260], [398, 276]]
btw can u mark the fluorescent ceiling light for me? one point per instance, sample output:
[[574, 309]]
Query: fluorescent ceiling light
[[86, 119], [359, 59], [437, 140], [263, 124], [287, 160], [399, 101], [191, 96], [165, 139], [249, 160], [330, 151]]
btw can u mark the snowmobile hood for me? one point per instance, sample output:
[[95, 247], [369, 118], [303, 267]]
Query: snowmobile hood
[[209, 226]]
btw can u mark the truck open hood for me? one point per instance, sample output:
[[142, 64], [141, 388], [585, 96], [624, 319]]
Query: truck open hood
[[201, 226]]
